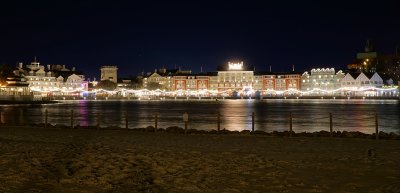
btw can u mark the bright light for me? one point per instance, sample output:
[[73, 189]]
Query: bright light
[[235, 66]]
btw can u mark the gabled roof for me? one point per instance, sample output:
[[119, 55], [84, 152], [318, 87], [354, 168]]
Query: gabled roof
[[348, 77], [154, 74], [376, 77], [354, 75], [362, 77], [74, 76]]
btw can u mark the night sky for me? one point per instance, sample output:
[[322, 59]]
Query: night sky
[[144, 35]]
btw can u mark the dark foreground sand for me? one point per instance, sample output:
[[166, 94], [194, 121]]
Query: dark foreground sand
[[82, 160]]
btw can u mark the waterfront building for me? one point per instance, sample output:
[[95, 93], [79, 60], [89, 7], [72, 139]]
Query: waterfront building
[[40, 81], [15, 89], [213, 83], [73, 85], [166, 80], [362, 84], [236, 81], [279, 84], [258, 83], [130, 83], [52, 81], [192, 85], [109, 73], [324, 81]]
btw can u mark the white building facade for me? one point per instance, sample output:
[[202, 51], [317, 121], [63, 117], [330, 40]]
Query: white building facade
[[360, 84], [321, 82], [43, 82]]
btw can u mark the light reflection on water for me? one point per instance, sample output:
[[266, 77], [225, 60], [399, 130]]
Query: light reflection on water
[[308, 115]]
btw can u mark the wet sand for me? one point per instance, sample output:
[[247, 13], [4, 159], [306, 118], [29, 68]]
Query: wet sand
[[82, 160]]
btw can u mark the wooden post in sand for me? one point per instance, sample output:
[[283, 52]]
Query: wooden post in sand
[[376, 126], [330, 125], [252, 122], [290, 124], [155, 122], [126, 120], [72, 119], [45, 118], [218, 121], [98, 120]]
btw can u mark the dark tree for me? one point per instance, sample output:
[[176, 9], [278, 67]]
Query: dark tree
[[5, 71]]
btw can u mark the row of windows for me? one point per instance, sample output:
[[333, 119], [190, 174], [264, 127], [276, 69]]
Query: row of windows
[[44, 79], [362, 82], [314, 80], [320, 76]]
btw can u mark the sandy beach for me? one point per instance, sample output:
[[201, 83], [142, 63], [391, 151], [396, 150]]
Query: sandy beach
[[34, 159]]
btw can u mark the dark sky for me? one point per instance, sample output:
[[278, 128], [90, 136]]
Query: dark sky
[[144, 35]]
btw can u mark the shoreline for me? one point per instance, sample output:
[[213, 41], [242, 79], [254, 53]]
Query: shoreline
[[55, 101], [235, 98], [180, 130], [2, 102]]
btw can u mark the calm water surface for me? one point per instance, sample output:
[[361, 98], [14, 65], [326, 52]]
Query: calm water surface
[[273, 114]]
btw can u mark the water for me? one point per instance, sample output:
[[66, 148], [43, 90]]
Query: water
[[308, 115]]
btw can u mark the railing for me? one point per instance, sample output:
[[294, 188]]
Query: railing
[[215, 122]]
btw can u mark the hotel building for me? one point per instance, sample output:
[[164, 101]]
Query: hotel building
[[361, 84], [55, 80], [324, 81], [234, 80]]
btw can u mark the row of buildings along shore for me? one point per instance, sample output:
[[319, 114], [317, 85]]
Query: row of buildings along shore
[[38, 81], [236, 81], [35, 81], [370, 75]]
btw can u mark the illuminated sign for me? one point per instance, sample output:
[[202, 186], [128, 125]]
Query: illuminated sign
[[235, 66]]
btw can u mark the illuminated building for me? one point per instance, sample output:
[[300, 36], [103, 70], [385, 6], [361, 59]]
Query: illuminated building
[[109, 73], [15, 89], [325, 79], [73, 85], [40, 81], [236, 80], [164, 79], [361, 84], [192, 85], [51, 82]]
